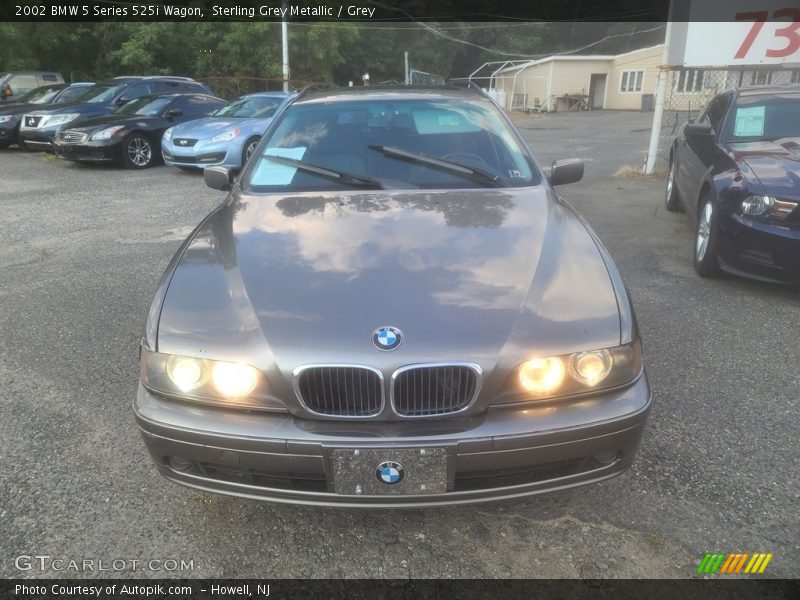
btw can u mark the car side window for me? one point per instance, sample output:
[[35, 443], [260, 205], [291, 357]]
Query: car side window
[[716, 111], [136, 91], [198, 106], [165, 87]]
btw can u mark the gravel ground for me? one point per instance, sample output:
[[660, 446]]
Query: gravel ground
[[82, 250]]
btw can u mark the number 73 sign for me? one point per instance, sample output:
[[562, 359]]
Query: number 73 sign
[[738, 32]]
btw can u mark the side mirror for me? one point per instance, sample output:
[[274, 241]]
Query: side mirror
[[218, 178], [121, 100], [699, 130], [174, 112], [568, 170]]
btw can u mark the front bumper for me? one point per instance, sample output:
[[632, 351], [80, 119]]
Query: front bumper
[[88, 151], [761, 249], [38, 139], [500, 454], [202, 154]]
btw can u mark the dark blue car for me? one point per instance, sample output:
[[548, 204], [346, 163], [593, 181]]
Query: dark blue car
[[38, 128], [736, 171]]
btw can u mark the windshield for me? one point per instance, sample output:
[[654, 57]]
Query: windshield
[[99, 93], [765, 118], [147, 106], [40, 95], [362, 137], [260, 107], [69, 94]]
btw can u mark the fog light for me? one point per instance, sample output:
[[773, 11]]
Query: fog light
[[590, 368], [185, 373], [757, 205], [542, 375], [605, 458], [180, 463], [234, 380]]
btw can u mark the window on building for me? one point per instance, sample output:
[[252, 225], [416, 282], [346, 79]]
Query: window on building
[[760, 77], [796, 76], [690, 80], [631, 81]]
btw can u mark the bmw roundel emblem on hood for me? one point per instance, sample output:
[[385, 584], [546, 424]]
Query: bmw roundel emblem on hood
[[390, 472], [387, 338]]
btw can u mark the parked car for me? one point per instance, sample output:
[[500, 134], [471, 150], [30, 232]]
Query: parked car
[[132, 133], [11, 112], [228, 137], [392, 307], [39, 127], [735, 169], [18, 83]]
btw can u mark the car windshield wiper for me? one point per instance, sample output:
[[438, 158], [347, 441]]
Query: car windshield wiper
[[340, 176], [472, 173]]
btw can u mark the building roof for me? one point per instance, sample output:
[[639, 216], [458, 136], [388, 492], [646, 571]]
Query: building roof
[[558, 57]]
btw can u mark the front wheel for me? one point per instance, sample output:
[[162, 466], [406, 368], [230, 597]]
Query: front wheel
[[672, 200], [248, 149], [706, 240], [137, 151]]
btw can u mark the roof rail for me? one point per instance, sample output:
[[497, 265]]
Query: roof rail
[[179, 78], [313, 87], [128, 77]]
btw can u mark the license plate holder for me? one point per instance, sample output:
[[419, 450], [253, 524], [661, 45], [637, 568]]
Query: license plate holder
[[389, 471]]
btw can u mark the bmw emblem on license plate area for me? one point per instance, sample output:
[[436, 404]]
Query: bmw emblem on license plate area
[[390, 472], [387, 338]]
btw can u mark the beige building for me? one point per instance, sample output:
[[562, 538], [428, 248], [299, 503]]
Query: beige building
[[581, 82]]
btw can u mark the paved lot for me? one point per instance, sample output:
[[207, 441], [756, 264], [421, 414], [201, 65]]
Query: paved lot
[[82, 250]]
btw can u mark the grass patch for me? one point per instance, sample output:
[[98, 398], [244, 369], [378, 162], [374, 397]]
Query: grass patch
[[635, 173]]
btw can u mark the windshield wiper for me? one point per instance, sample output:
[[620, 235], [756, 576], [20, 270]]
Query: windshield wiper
[[340, 176], [472, 173]]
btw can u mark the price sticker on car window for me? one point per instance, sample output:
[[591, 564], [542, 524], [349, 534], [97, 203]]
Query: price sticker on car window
[[273, 173], [749, 121]]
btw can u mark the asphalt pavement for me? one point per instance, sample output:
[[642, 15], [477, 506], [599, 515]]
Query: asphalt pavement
[[81, 251]]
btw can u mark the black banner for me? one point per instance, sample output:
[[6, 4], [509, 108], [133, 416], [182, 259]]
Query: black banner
[[240, 589]]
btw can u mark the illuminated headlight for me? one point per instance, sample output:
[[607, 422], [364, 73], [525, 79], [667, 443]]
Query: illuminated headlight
[[757, 205], [6, 118], [572, 374], [168, 134], [53, 120], [225, 137], [205, 380], [107, 133]]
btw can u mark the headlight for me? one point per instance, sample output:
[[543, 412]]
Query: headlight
[[210, 381], [757, 205], [6, 118], [572, 374], [52, 120], [168, 134], [225, 137], [107, 133]]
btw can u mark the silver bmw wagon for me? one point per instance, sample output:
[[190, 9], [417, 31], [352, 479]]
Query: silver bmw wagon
[[392, 307]]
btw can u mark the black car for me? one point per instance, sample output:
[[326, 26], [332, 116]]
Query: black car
[[46, 95], [39, 127], [736, 171], [132, 133]]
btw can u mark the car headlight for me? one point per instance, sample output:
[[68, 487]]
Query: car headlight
[[757, 206], [547, 377], [52, 120], [106, 133], [225, 137], [205, 380], [168, 134], [6, 118]]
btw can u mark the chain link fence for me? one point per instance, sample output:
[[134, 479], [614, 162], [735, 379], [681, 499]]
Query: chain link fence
[[421, 78], [233, 86]]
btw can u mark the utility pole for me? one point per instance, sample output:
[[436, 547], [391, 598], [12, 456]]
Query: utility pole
[[285, 45], [405, 54], [658, 113]]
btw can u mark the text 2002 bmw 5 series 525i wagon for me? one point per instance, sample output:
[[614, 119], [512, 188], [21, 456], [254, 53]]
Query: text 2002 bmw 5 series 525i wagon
[[391, 308]]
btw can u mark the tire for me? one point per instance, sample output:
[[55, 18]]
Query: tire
[[248, 148], [706, 239], [138, 151], [672, 201]]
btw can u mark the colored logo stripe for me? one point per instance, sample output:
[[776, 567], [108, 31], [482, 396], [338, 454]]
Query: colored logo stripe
[[733, 562]]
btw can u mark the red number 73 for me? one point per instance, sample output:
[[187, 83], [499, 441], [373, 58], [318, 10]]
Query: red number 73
[[791, 32]]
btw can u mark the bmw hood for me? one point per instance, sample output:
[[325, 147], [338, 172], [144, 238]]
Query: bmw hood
[[775, 164], [202, 129], [465, 275]]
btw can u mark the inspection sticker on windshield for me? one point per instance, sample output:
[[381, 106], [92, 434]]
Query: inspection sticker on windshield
[[272, 173], [749, 121]]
